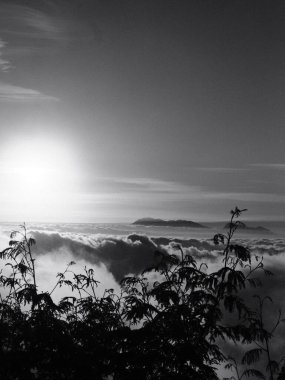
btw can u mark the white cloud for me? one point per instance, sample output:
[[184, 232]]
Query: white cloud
[[179, 191], [121, 256], [278, 166], [10, 92], [155, 185], [26, 31], [31, 23], [221, 169], [225, 170], [247, 196], [4, 63], [157, 196]]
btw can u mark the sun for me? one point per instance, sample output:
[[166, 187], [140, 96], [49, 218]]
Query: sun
[[37, 173]]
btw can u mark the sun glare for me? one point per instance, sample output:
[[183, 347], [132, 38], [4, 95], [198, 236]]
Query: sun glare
[[37, 174]]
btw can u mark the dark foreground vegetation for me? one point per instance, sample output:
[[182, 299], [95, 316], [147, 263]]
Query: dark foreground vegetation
[[171, 322]]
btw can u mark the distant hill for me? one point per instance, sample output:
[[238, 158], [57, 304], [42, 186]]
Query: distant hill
[[244, 227], [168, 223]]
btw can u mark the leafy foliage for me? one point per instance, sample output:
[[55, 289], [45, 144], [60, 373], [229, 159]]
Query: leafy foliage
[[167, 329]]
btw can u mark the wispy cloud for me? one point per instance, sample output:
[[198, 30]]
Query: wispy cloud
[[25, 31], [225, 170], [27, 22], [246, 196], [142, 190], [152, 185], [48, 27], [150, 190], [278, 166], [10, 93], [4, 63], [221, 169]]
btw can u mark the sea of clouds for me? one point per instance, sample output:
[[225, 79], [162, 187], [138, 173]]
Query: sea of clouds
[[113, 256]]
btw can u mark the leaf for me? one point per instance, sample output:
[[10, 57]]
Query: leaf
[[22, 268], [13, 234], [236, 212], [241, 252], [237, 279], [254, 373], [273, 366], [13, 242], [31, 241], [252, 356], [219, 238], [232, 302]]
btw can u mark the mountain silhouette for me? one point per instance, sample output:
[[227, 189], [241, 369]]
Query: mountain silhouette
[[168, 223], [244, 227]]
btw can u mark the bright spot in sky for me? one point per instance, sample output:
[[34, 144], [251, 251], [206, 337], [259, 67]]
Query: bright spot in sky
[[37, 174]]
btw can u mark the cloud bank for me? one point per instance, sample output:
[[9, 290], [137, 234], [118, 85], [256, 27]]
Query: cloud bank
[[121, 256], [133, 253]]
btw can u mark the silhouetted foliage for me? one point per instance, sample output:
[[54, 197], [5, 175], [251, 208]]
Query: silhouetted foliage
[[168, 328]]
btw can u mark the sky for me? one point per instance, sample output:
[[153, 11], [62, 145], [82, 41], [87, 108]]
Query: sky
[[115, 110]]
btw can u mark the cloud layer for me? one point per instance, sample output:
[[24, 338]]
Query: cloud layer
[[133, 253]]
